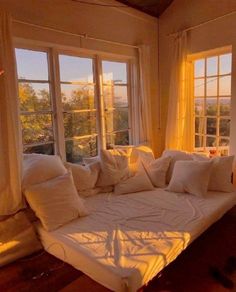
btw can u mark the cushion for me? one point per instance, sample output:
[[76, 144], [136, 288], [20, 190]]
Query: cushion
[[85, 177], [220, 179], [17, 238], [55, 202], [175, 155], [142, 152], [190, 177], [139, 181], [157, 170], [40, 167]]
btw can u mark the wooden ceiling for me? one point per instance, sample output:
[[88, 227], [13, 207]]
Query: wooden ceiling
[[151, 7]]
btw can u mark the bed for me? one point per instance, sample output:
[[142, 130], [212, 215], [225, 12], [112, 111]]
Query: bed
[[128, 239]]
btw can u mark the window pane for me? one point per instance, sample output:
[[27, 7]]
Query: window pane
[[119, 138], [117, 120], [211, 126], [79, 124], [199, 141], [210, 141], [199, 87], [224, 127], [31, 65], [224, 142], [114, 72], [37, 128], [225, 103], [115, 96], [199, 68], [76, 150], [199, 125], [76, 69], [77, 97], [211, 86], [225, 85], [225, 64], [211, 106], [34, 97], [212, 66], [199, 106], [40, 149]]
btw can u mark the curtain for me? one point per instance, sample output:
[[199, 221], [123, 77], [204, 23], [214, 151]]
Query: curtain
[[180, 119], [10, 136]]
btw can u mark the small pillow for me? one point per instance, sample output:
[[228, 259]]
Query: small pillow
[[175, 155], [190, 177], [38, 168], [138, 182], [142, 152], [55, 202], [85, 177], [157, 170], [220, 179]]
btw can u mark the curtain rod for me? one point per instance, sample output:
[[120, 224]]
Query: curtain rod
[[202, 23], [85, 36]]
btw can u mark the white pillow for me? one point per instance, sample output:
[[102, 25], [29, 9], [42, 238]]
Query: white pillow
[[157, 170], [190, 177], [138, 182], [55, 202], [175, 155], [220, 179], [142, 152], [85, 177], [38, 168]]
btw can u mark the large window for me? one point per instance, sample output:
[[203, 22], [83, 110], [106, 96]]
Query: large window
[[80, 102], [212, 99]]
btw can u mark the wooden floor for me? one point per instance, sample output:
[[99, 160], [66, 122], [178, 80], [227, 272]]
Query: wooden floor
[[188, 273]]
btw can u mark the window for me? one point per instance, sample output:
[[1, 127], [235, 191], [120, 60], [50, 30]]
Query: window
[[212, 100], [89, 98]]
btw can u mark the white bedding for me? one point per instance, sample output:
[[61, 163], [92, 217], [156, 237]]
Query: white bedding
[[126, 240]]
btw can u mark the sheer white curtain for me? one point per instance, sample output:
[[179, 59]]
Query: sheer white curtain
[[10, 142], [180, 127]]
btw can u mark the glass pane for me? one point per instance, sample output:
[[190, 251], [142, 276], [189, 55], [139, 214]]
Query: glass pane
[[76, 150], [76, 69], [77, 97], [225, 64], [31, 65], [225, 104], [225, 85], [115, 96], [211, 106], [224, 142], [210, 141], [79, 124], [199, 87], [211, 86], [199, 141], [34, 97], [199, 106], [114, 72], [199, 125], [116, 120], [40, 149], [37, 128], [224, 127], [199, 68], [211, 126], [120, 138], [212, 66]]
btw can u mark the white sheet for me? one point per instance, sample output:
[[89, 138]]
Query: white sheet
[[126, 240]]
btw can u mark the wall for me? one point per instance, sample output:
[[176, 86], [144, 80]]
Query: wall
[[115, 24], [182, 14]]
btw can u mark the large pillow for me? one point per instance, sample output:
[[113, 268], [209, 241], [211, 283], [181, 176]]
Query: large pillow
[[40, 167], [142, 152], [55, 202], [190, 177], [85, 177], [175, 155], [139, 181], [220, 179], [157, 170]]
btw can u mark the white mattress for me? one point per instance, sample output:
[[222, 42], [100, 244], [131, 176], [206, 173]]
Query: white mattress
[[126, 240]]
